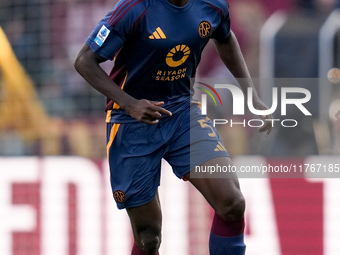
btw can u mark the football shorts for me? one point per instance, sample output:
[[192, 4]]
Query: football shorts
[[135, 150]]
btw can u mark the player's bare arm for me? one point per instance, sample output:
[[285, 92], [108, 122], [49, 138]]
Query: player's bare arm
[[231, 55], [87, 64]]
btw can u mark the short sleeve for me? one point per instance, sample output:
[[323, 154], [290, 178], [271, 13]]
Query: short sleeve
[[111, 32], [222, 32], [105, 40]]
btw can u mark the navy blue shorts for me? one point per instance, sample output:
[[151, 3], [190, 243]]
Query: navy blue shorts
[[135, 150]]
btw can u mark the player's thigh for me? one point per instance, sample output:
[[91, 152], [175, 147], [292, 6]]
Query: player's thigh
[[221, 192]]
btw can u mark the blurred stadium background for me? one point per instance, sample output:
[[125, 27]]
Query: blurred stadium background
[[54, 195]]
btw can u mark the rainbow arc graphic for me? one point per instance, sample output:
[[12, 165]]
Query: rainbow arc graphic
[[209, 93]]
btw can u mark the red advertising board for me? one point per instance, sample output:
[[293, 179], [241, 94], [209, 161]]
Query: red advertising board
[[63, 205]]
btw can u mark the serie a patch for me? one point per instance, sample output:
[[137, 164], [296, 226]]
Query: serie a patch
[[102, 35]]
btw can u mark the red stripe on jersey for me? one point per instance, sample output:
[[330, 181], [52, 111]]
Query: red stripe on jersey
[[123, 13], [139, 18], [118, 10], [118, 75], [119, 14], [220, 12]]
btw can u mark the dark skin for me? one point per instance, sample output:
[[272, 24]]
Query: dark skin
[[87, 64], [231, 55], [223, 194], [178, 3]]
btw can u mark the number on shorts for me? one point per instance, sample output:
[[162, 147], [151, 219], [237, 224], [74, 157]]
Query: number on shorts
[[204, 124]]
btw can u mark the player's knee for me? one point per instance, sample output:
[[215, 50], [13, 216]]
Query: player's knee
[[150, 241], [231, 209]]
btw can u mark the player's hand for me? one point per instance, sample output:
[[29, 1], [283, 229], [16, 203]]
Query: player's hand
[[146, 111], [259, 105]]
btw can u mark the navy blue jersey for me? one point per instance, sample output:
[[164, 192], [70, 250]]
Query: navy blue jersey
[[157, 46]]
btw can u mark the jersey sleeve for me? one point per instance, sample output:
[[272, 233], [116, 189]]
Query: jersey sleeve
[[223, 30], [111, 32]]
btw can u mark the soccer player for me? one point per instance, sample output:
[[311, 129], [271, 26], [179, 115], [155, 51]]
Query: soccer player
[[156, 46]]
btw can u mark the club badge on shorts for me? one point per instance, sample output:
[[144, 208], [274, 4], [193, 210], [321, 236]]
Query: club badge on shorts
[[119, 196]]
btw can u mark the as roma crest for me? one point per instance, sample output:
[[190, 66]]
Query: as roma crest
[[204, 29], [119, 196]]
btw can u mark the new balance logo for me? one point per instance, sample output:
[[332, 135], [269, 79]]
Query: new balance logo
[[220, 147], [158, 34]]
